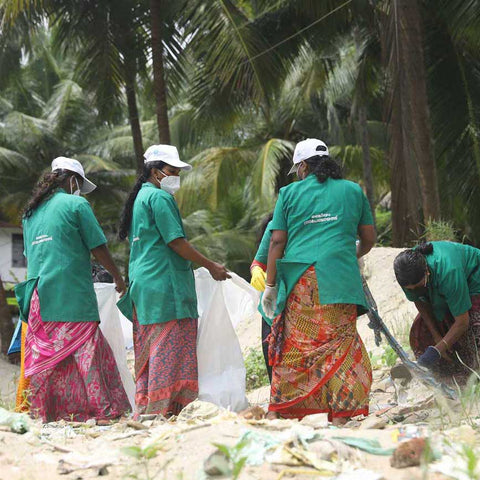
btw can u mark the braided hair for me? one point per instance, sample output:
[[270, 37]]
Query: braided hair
[[410, 265], [324, 167], [126, 218], [45, 188]]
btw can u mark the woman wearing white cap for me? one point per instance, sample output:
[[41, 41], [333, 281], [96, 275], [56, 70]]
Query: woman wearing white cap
[[71, 368], [161, 298], [314, 291]]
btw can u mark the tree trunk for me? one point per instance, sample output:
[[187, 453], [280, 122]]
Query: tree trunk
[[133, 117], [6, 325], [413, 62], [414, 185], [367, 161], [159, 84]]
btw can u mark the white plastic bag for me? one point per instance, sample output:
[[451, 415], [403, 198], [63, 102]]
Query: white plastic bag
[[221, 370], [113, 333]]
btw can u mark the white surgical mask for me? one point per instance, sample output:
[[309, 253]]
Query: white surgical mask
[[77, 191], [170, 183]]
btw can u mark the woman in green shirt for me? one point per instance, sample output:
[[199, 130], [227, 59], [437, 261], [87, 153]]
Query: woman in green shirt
[[258, 270], [71, 368], [443, 279], [314, 291], [161, 299]]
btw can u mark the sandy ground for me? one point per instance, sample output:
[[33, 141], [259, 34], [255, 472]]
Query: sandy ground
[[180, 448]]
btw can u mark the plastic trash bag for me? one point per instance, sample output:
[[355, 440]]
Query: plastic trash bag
[[110, 327], [221, 307], [16, 342]]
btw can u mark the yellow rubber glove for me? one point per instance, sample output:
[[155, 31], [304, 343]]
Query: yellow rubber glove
[[258, 278]]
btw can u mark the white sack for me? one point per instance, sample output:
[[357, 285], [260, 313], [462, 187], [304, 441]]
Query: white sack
[[112, 331], [221, 370]]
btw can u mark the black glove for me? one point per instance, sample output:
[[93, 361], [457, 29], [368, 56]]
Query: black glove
[[430, 357]]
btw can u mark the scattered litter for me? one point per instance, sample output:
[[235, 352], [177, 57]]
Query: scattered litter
[[317, 420], [64, 467], [253, 413], [17, 422], [373, 422], [136, 425], [407, 432], [198, 411], [367, 445]]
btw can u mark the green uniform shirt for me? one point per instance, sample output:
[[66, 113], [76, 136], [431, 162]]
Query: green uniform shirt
[[58, 237], [321, 221], [454, 278], [162, 285]]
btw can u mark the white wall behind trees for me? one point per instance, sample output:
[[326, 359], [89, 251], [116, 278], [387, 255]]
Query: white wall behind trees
[[12, 262]]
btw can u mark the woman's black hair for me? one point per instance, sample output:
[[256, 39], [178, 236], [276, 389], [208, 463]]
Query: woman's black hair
[[324, 167], [126, 218], [263, 227], [45, 188], [410, 265]]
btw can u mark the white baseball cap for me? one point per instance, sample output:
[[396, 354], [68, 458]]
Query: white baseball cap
[[167, 154], [73, 165], [311, 147]]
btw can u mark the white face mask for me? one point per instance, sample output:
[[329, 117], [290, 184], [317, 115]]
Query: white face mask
[[77, 191], [170, 183]]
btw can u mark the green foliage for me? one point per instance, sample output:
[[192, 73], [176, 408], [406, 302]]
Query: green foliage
[[383, 219], [144, 455], [439, 230], [257, 375], [235, 459]]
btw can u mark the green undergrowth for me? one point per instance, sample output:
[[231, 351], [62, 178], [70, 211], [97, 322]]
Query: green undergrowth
[[257, 375]]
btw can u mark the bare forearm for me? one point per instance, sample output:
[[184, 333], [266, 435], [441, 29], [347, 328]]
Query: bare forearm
[[426, 313], [187, 251], [455, 333], [368, 237], [275, 252], [103, 256], [363, 248]]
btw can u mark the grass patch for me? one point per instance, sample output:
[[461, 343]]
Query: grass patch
[[383, 224], [257, 375], [436, 230]]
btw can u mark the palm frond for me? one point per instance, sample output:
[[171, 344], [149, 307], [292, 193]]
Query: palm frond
[[215, 172], [267, 167]]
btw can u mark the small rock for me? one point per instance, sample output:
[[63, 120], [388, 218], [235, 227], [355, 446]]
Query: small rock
[[409, 453], [217, 464], [91, 422], [401, 371]]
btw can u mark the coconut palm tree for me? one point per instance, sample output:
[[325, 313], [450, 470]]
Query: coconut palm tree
[[109, 41]]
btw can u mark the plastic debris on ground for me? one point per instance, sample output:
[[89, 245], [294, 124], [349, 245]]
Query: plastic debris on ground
[[367, 445], [17, 422]]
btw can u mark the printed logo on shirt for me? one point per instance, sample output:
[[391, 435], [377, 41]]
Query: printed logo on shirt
[[42, 239], [321, 218]]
